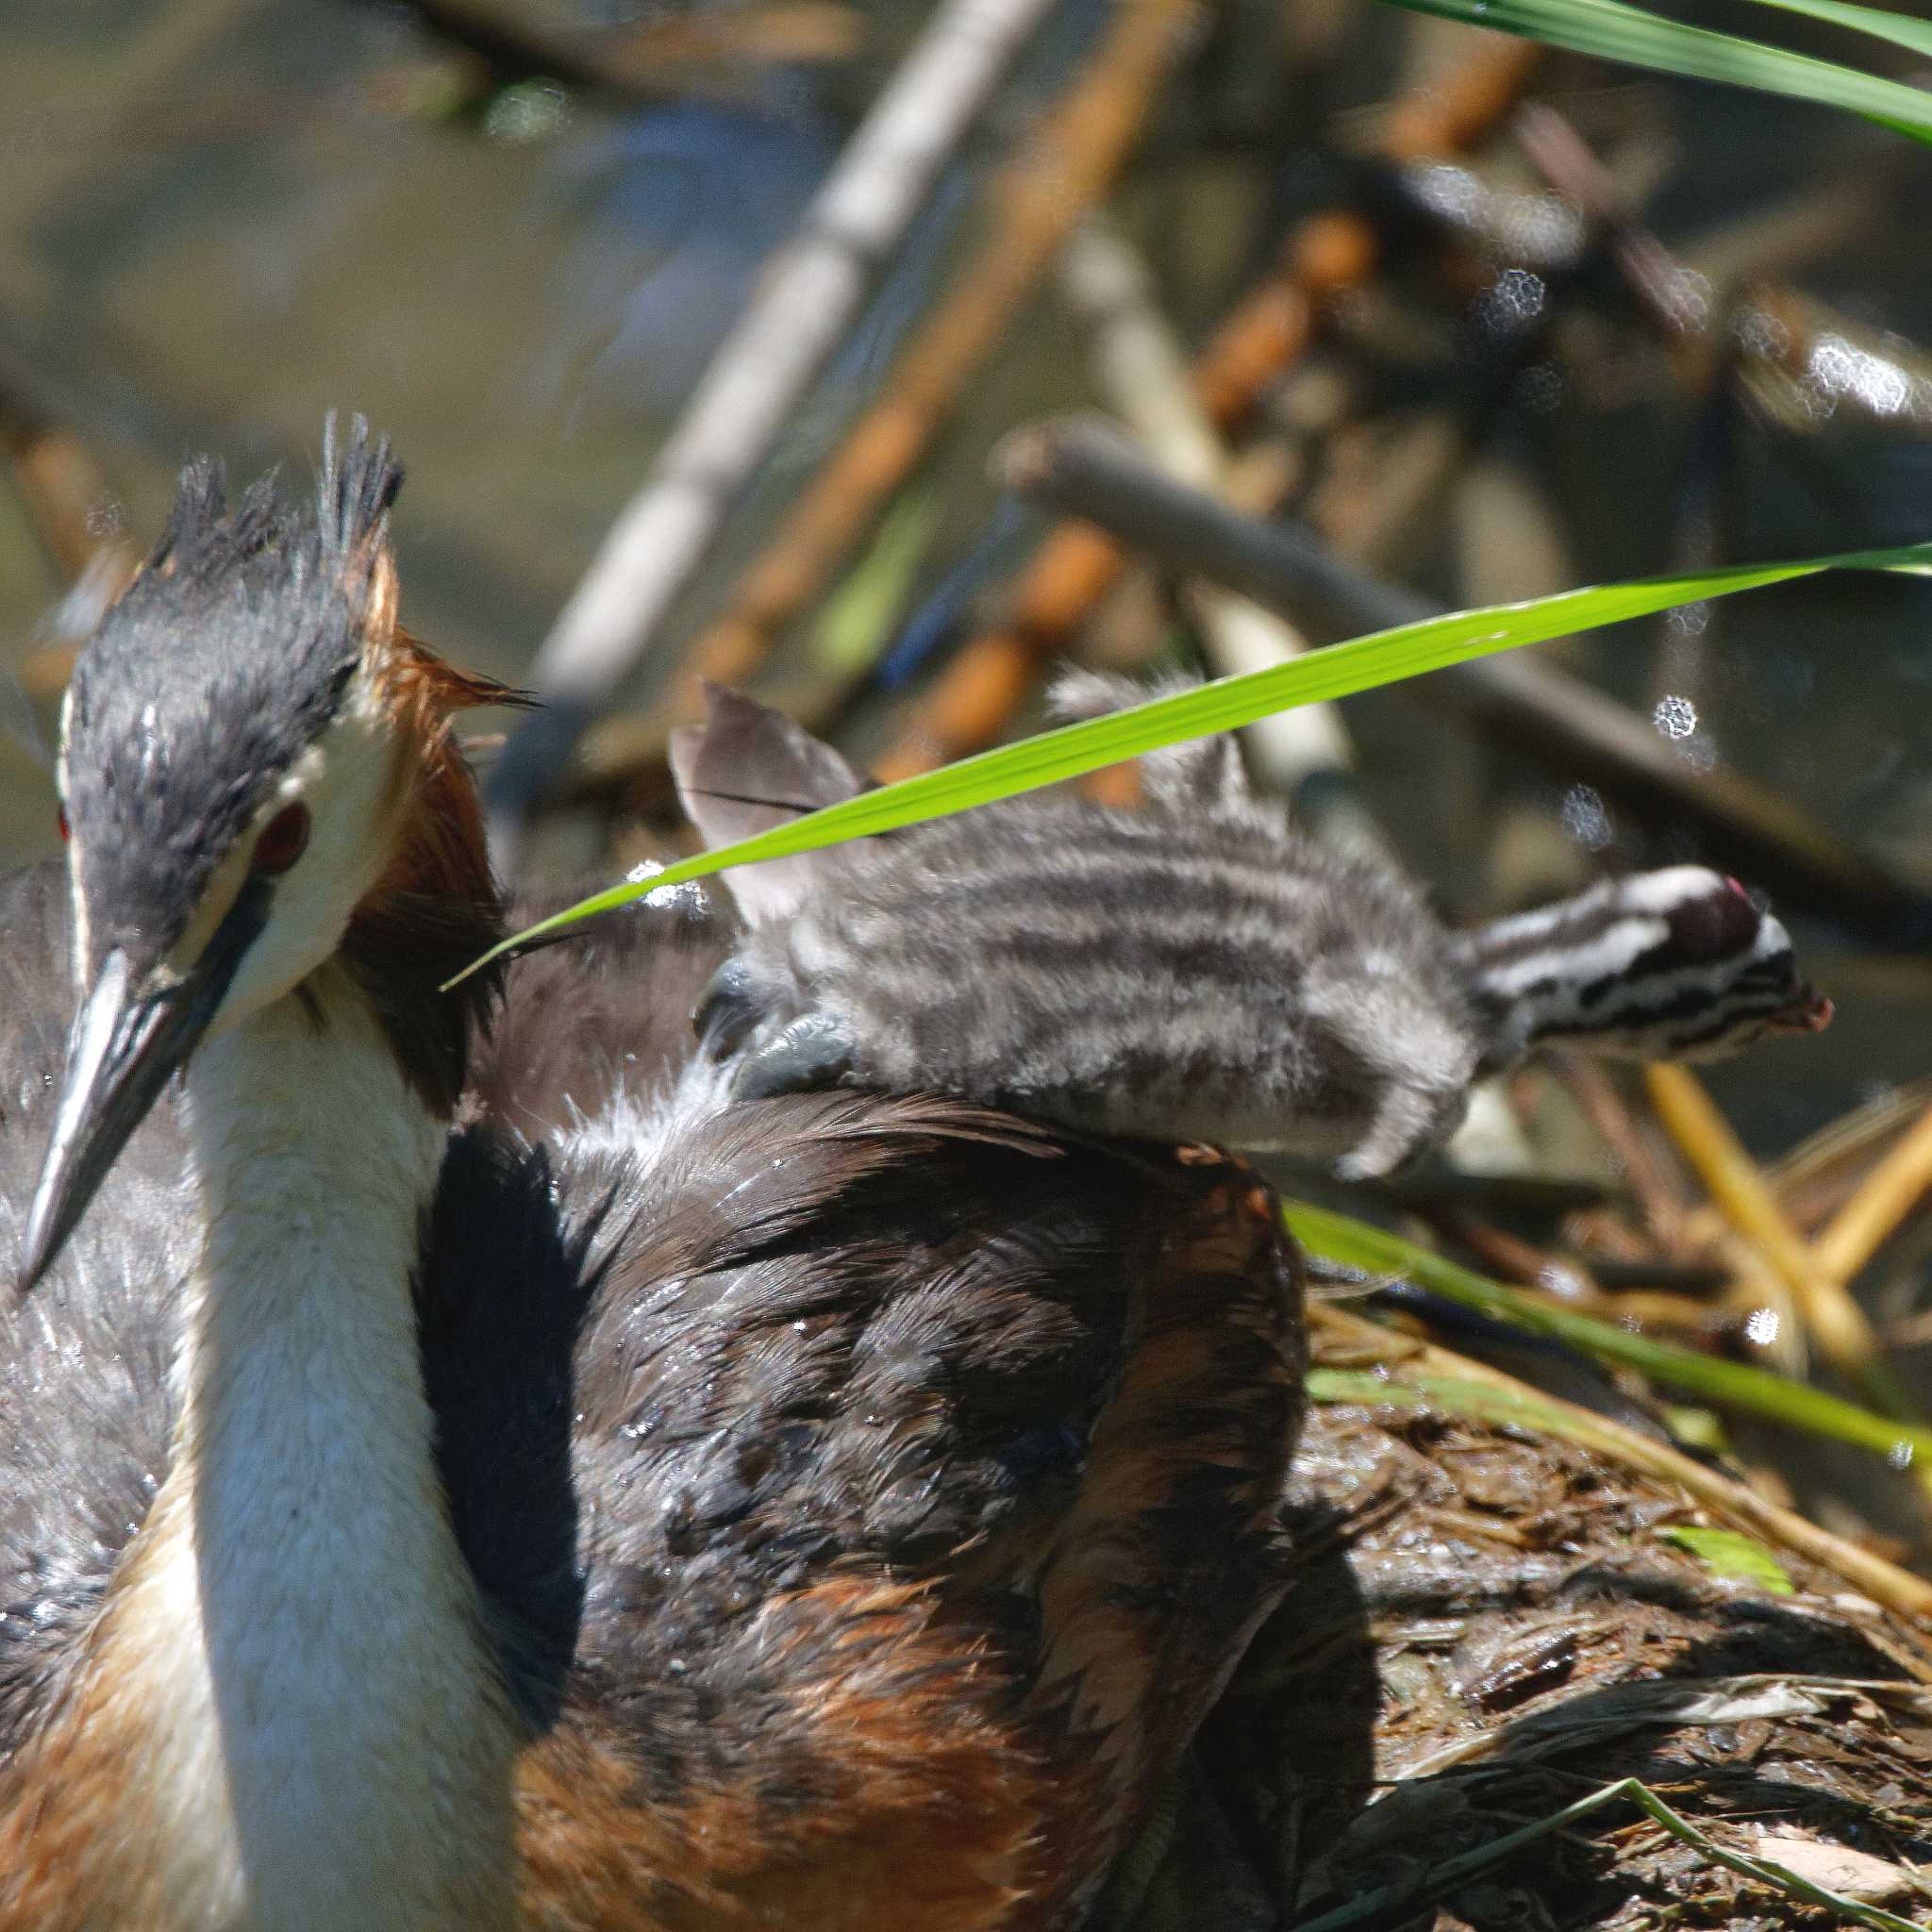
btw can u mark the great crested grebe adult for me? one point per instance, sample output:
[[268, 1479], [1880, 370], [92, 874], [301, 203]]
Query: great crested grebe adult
[[542, 1493]]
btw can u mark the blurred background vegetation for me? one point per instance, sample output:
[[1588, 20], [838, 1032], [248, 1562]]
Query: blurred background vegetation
[[512, 234], [1487, 356], [1478, 323]]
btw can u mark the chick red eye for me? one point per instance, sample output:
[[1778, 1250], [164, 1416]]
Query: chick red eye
[[282, 840], [61, 824]]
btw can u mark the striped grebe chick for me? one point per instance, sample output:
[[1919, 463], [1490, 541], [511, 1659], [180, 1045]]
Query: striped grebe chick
[[1193, 968]]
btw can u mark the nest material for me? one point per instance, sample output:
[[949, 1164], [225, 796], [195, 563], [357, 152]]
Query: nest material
[[1487, 1625]]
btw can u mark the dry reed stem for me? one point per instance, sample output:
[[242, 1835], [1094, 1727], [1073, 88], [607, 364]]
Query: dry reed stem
[[1884, 1583], [1830, 1164], [1141, 371], [1661, 1197], [1066, 166], [803, 307], [971, 702], [1888, 1194], [1835, 1321]]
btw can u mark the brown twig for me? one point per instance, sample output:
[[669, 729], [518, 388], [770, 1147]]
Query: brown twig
[[1670, 299], [1083, 467], [1509, 1257], [805, 304], [1884, 1583], [1571, 1279], [1325, 256], [1661, 1195], [69, 502]]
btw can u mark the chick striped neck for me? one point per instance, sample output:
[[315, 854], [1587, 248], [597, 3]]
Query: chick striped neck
[[1677, 964], [295, 1623]]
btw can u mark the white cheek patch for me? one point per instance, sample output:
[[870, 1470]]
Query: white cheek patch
[[217, 898], [346, 779]]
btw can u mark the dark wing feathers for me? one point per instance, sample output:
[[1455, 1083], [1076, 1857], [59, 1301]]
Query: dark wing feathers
[[1044, 1390]]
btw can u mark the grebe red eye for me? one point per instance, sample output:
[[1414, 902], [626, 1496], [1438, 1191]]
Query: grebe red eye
[[282, 840], [61, 824], [1738, 886]]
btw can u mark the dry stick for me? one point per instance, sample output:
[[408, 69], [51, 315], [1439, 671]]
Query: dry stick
[[1143, 374], [1509, 1257], [805, 304], [1083, 467], [1889, 1193], [1064, 168], [1672, 300], [1844, 1336], [1662, 1194], [67, 495], [63, 487], [971, 701], [1872, 1577], [1835, 1160], [1061, 172]]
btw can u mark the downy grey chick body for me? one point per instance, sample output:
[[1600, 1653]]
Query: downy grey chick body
[[1193, 969]]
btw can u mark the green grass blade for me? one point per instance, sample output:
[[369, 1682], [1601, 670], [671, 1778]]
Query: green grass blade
[[1736, 1384], [1613, 31], [1914, 35], [1434, 1881], [1382, 658]]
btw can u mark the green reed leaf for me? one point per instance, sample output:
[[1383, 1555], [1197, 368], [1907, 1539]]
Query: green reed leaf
[[1361, 664], [1613, 31], [1341, 1238]]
